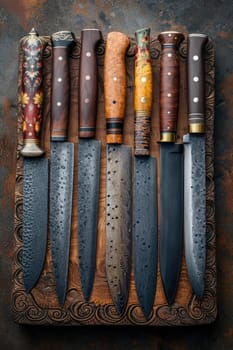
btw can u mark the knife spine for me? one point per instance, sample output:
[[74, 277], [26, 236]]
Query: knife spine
[[143, 93], [32, 94], [169, 84]]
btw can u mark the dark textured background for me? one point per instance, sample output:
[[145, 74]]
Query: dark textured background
[[214, 18]]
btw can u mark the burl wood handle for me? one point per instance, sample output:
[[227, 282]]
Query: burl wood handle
[[62, 44], [169, 84], [88, 82], [31, 93], [115, 85], [143, 93], [196, 93]]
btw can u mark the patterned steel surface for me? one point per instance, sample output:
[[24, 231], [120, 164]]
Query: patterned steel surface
[[88, 199]]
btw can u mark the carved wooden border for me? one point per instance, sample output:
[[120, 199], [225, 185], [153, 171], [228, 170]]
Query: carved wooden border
[[25, 307]]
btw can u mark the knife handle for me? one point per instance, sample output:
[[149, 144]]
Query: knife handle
[[88, 82], [32, 94], [115, 85], [143, 93], [196, 95], [169, 84], [62, 43]]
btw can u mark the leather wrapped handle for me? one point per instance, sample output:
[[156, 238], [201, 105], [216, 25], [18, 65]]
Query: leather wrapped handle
[[88, 82], [169, 84], [115, 85], [196, 94], [31, 93], [143, 93], [62, 43]]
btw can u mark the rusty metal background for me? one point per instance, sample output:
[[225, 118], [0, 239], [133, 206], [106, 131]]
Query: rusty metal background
[[211, 17]]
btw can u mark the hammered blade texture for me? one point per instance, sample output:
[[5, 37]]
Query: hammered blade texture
[[171, 216], [35, 219], [195, 210], [145, 231], [88, 199], [118, 223], [61, 190]]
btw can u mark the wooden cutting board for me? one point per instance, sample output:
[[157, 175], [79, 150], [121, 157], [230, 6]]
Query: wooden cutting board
[[41, 307]]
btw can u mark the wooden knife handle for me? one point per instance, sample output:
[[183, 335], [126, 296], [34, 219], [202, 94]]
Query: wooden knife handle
[[196, 93], [88, 82], [143, 93], [115, 85], [31, 93], [169, 84], [62, 44]]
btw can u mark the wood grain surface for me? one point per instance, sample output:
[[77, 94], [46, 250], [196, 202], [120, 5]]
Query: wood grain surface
[[41, 307]]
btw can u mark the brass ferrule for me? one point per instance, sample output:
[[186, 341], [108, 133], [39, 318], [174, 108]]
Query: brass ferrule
[[196, 128], [167, 137]]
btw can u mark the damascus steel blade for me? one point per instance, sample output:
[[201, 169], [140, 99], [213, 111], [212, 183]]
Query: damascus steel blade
[[145, 231], [171, 206], [195, 210], [61, 189], [118, 223], [35, 218], [88, 199]]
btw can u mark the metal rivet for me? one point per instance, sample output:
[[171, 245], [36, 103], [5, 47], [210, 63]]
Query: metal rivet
[[86, 100], [143, 79], [88, 54], [59, 104], [168, 112], [196, 79], [114, 78], [169, 95], [30, 125], [59, 79], [169, 54], [143, 99], [195, 99], [195, 58], [169, 34], [88, 77], [60, 58], [169, 73], [29, 134]]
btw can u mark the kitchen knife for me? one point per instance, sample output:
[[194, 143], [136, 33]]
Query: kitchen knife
[[171, 166], [88, 160], [118, 188], [35, 183], [195, 168], [61, 162], [145, 187]]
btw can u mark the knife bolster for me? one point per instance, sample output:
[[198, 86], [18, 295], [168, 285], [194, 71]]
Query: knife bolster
[[114, 130], [167, 137]]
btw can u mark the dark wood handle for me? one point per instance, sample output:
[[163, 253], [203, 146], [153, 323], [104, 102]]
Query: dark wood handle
[[169, 84], [115, 85], [196, 84], [88, 82], [32, 94], [62, 44], [143, 93]]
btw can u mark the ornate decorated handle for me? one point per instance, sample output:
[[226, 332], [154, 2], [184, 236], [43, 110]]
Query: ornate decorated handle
[[62, 43], [31, 94], [115, 85], [88, 82], [143, 93], [196, 95], [169, 84]]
